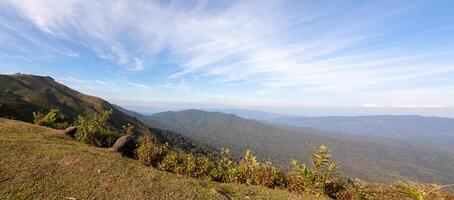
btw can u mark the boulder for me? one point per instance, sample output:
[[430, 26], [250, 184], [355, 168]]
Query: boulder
[[124, 145], [70, 131]]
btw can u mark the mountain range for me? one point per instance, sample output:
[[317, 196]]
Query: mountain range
[[371, 160], [367, 154], [431, 132]]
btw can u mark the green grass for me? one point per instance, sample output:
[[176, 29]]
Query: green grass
[[38, 163]]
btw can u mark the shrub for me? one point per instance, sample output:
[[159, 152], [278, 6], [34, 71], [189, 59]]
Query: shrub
[[183, 163], [204, 166], [356, 191], [94, 129], [322, 179], [250, 171], [420, 192], [221, 170], [173, 162], [148, 151], [53, 119], [106, 138]]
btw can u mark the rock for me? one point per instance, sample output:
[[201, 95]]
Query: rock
[[70, 131], [125, 145]]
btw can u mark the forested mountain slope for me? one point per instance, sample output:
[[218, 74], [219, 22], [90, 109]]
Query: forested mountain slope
[[23, 94], [371, 161]]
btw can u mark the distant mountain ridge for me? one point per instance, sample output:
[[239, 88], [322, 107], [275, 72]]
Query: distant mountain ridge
[[366, 160], [431, 132], [252, 114], [413, 130], [23, 94]]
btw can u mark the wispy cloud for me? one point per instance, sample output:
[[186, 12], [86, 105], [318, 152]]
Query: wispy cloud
[[301, 47]]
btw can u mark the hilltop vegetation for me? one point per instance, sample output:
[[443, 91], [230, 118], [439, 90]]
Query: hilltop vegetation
[[369, 161], [38, 163]]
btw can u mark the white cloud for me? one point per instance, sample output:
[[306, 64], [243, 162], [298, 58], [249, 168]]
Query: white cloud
[[275, 45], [403, 106]]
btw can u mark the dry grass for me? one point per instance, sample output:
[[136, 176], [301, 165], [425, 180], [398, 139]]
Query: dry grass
[[38, 163]]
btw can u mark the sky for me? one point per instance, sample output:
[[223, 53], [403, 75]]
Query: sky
[[375, 57]]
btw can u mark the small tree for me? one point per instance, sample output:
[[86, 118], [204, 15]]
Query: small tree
[[223, 166], [94, 129], [321, 179], [149, 152], [252, 172]]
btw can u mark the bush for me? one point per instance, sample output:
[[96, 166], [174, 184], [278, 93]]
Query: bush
[[250, 171], [54, 119], [183, 163], [106, 138], [322, 179], [173, 162], [95, 130], [420, 191], [356, 191], [148, 151], [221, 170]]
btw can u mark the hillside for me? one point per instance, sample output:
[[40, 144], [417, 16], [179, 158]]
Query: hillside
[[431, 132], [37, 163], [370, 161], [22, 94]]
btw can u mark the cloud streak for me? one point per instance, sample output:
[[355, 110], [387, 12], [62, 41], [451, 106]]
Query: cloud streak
[[302, 47]]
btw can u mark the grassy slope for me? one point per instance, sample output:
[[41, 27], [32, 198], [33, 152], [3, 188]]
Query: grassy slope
[[38, 163]]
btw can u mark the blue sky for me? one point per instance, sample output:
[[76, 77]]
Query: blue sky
[[277, 55]]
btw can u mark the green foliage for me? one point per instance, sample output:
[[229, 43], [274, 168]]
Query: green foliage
[[94, 129], [410, 190], [250, 171], [221, 171], [62, 169], [53, 119], [148, 151], [420, 192], [280, 145], [183, 163], [356, 191], [322, 179]]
